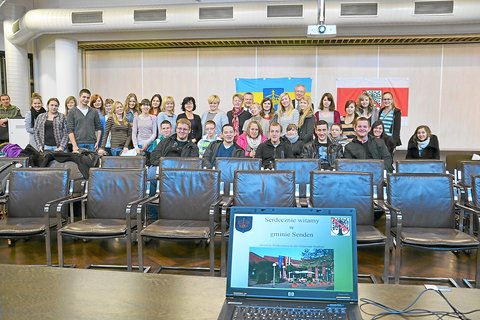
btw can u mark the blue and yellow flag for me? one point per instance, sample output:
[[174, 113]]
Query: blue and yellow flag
[[272, 87]]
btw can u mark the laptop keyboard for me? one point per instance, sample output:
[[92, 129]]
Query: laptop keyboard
[[281, 313]]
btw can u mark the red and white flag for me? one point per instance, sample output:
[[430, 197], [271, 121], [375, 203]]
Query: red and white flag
[[351, 88]]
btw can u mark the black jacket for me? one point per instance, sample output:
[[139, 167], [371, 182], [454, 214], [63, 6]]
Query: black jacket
[[432, 151], [210, 155], [397, 123], [375, 149], [268, 152], [305, 132], [334, 152], [170, 144]]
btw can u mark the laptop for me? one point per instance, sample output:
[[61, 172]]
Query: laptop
[[285, 261]]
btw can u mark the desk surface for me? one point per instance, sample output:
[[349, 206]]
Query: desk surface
[[28, 292]]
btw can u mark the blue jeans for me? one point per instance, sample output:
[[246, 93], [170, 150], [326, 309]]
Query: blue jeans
[[116, 151], [88, 146], [49, 148]]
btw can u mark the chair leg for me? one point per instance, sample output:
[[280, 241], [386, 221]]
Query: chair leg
[[386, 262], [129, 250], [212, 253], [140, 251], [398, 261], [48, 248], [60, 249], [477, 268]]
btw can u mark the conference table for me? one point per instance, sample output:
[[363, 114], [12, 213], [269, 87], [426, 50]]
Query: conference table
[[32, 292]]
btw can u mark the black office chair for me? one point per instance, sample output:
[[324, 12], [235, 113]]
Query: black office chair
[[261, 188], [138, 162], [180, 163], [30, 195], [228, 166], [353, 190], [111, 199], [463, 178], [421, 166], [188, 209], [423, 206], [302, 168]]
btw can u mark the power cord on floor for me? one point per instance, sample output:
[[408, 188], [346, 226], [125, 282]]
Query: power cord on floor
[[408, 310]]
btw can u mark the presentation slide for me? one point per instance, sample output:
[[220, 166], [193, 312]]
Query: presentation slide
[[299, 252]]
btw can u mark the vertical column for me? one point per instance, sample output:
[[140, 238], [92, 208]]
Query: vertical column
[[66, 68], [16, 57]]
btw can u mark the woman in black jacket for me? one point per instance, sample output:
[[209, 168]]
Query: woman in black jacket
[[294, 139], [378, 131], [423, 144], [188, 106]]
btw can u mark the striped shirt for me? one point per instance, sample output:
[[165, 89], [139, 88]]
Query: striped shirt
[[387, 119]]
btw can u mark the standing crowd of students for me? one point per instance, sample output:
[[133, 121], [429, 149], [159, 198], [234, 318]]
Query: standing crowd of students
[[248, 129]]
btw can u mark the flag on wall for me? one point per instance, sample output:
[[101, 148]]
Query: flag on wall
[[351, 88], [271, 87]]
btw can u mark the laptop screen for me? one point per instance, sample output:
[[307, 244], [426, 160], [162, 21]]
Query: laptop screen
[[292, 253]]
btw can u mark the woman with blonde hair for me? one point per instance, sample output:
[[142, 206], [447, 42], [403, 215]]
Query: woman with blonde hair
[[119, 129], [366, 107], [132, 107], [287, 113], [237, 115], [306, 124], [251, 138], [167, 113], [36, 109], [391, 118], [215, 114], [327, 110]]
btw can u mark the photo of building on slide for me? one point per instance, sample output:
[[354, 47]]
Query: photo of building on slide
[[302, 268]]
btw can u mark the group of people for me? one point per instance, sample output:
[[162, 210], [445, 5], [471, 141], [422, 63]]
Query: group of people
[[249, 129]]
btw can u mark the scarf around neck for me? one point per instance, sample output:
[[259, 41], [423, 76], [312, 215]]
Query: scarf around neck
[[421, 145], [254, 143], [236, 121], [35, 114]]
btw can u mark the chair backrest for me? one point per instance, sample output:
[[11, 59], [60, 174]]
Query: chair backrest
[[180, 163], [264, 188], [453, 160], [110, 190], [6, 166], [21, 160], [227, 167], [376, 167], [424, 199], [30, 188], [336, 189], [421, 166], [469, 169], [476, 190], [186, 194], [138, 162], [302, 168]]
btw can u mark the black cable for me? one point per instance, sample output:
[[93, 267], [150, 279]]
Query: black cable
[[416, 312]]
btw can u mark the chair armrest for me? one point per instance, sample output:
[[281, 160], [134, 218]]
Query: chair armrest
[[62, 203], [214, 208], [380, 204], [50, 204], [4, 198], [130, 209], [145, 201]]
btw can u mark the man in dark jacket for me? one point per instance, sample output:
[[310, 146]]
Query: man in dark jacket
[[364, 146], [224, 149], [274, 148], [177, 145], [322, 147]]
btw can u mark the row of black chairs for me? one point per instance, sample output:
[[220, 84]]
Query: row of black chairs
[[247, 190]]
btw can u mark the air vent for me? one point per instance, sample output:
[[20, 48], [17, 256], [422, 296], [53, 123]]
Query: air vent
[[16, 26], [150, 15], [434, 7], [213, 13], [285, 11], [358, 9], [87, 17]]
